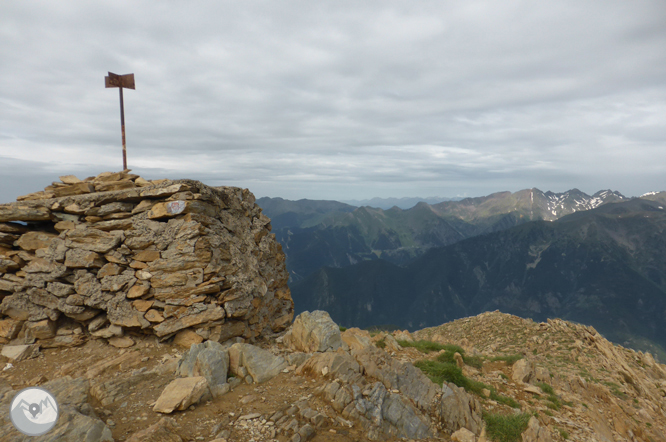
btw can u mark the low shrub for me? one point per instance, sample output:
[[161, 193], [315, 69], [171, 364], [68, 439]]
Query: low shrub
[[509, 359], [506, 428]]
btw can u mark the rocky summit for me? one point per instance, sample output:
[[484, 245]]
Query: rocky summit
[[493, 377], [116, 256], [159, 311]]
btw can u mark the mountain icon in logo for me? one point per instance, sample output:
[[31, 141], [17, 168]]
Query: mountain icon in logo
[[34, 411]]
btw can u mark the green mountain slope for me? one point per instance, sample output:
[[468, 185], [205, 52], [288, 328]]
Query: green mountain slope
[[605, 267], [327, 233]]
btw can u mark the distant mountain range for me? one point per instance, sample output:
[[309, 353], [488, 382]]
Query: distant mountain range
[[596, 263], [329, 233], [402, 203]]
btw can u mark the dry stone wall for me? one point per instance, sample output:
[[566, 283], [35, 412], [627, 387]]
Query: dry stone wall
[[117, 253]]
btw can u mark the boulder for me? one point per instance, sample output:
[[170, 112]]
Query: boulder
[[180, 394], [463, 435], [315, 331], [458, 409], [20, 352], [401, 414], [522, 371], [259, 363], [356, 339], [535, 432], [337, 365], [208, 359], [403, 335]]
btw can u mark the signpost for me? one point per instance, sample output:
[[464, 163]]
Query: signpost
[[121, 81]]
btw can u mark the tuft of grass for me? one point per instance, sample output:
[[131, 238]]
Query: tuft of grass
[[545, 388], [473, 361], [440, 372], [424, 346], [615, 389], [342, 328], [449, 351], [381, 344], [506, 428], [509, 359], [553, 402], [563, 433], [503, 399]]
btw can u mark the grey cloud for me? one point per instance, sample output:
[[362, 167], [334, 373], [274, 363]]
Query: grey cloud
[[340, 99]]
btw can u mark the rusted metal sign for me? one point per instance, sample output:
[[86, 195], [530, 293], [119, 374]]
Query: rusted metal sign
[[113, 80], [121, 81]]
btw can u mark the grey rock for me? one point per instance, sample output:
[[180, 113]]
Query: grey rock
[[20, 352], [260, 364], [405, 418], [535, 432], [336, 364], [120, 282], [315, 331], [60, 289], [79, 258], [18, 306], [209, 360], [297, 358], [458, 409], [396, 375], [306, 432]]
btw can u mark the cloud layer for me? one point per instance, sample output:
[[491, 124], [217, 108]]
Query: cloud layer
[[339, 100]]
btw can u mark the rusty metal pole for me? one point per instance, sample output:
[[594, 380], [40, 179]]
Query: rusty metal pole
[[122, 127], [121, 81]]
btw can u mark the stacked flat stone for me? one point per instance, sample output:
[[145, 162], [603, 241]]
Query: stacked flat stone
[[117, 253]]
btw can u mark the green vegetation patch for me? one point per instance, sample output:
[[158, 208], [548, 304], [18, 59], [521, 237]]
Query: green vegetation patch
[[505, 428], [425, 346], [440, 372], [506, 400], [449, 350], [545, 388], [615, 389], [563, 433], [381, 343], [509, 359]]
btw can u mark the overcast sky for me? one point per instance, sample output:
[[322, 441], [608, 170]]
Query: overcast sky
[[338, 100]]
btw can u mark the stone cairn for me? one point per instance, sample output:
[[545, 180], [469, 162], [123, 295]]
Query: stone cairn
[[116, 253]]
